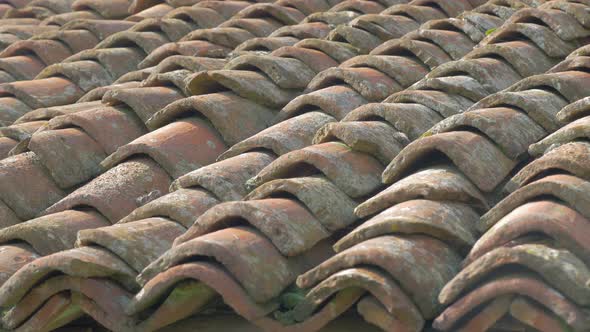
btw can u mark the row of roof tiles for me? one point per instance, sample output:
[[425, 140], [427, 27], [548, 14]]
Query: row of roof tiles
[[315, 207]]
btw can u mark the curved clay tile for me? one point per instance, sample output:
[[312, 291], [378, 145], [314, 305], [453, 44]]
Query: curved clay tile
[[526, 285], [41, 9], [70, 155], [52, 233], [202, 17], [99, 292], [284, 72], [11, 109], [411, 119], [233, 248], [20, 67], [14, 256], [75, 40], [44, 318], [375, 313], [335, 101], [286, 136], [486, 172], [381, 286], [488, 315], [26, 185], [570, 84], [510, 129], [284, 14], [439, 183], [86, 75], [63, 19], [179, 147], [98, 263], [111, 59], [338, 51], [145, 102], [182, 62], [155, 12], [542, 36], [374, 138], [487, 76], [182, 206], [429, 54], [263, 44], [287, 223], [576, 60], [226, 179], [109, 126], [138, 5], [301, 326], [577, 130], [21, 131], [247, 84], [210, 279], [187, 48], [331, 17], [227, 9], [520, 55], [113, 10], [226, 37], [385, 27], [234, 117], [421, 265], [314, 59], [569, 158], [575, 110], [566, 227], [404, 70], [356, 174], [442, 103], [137, 243], [336, 306], [557, 20], [97, 130], [21, 21], [11, 33], [47, 92], [51, 112], [145, 41], [540, 105], [551, 264], [452, 223], [362, 40], [303, 30], [257, 27], [332, 208], [569, 189], [6, 145], [535, 315], [119, 190], [359, 6], [370, 83]]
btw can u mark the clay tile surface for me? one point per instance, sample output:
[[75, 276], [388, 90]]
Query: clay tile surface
[[294, 165]]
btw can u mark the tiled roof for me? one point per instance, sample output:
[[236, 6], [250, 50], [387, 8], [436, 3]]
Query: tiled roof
[[415, 165]]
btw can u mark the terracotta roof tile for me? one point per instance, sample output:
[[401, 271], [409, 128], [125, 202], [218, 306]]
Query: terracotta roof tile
[[26, 187], [332, 208], [61, 228], [540, 203], [528, 286], [226, 179], [303, 103], [180, 205], [120, 190]]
